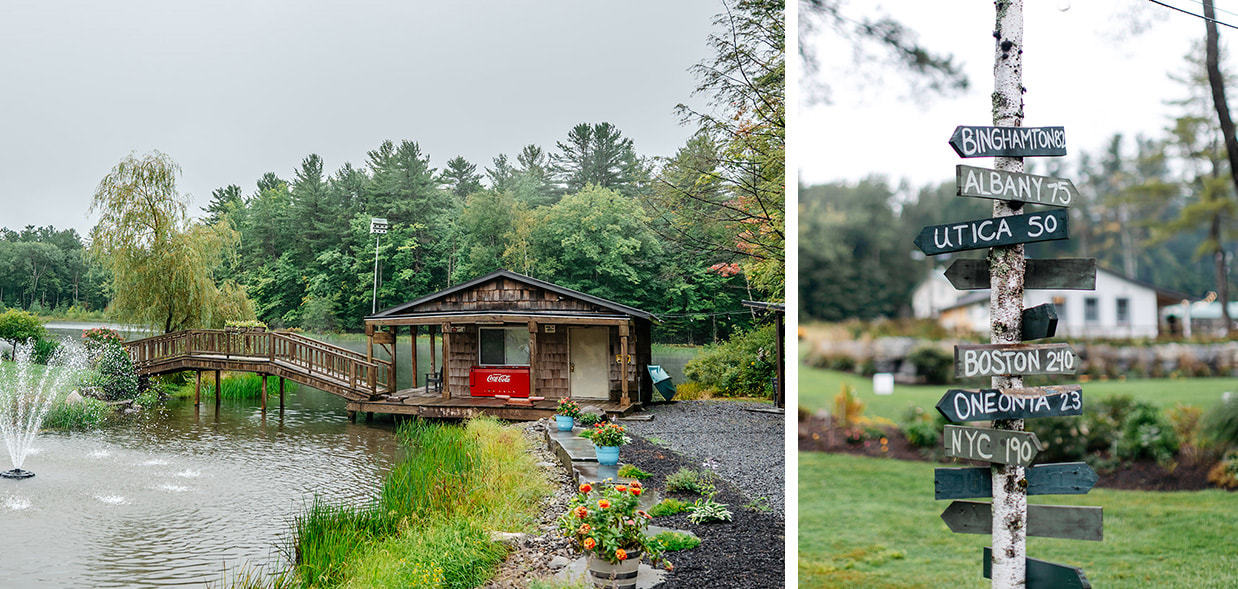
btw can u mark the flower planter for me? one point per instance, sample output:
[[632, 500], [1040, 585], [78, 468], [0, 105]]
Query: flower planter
[[565, 422], [607, 454], [614, 576]]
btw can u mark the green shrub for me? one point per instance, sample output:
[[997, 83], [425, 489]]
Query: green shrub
[[740, 367], [88, 414], [1147, 433], [1063, 438], [676, 541], [1220, 425], [114, 374], [44, 349], [686, 480], [706, 510], [589, 419], [1225, 473], [934, 365], [631, 472], [17, 326], [922, 429], [668, 506]]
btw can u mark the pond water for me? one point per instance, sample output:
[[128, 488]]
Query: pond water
[[177, 496]]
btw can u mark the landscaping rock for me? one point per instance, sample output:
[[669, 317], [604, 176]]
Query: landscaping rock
[[73, 398]]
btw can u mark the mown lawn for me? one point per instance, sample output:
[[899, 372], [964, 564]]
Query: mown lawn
[[871, 522], [817, 389]]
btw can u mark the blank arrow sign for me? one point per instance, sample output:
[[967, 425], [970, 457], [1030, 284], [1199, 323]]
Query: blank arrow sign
[[976, 482], [1042, 574], [1068, 522]]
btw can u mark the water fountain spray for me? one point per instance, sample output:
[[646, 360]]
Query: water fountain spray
[[27, 392]]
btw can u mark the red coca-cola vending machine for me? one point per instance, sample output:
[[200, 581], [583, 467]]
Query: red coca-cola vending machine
[[488, 381]]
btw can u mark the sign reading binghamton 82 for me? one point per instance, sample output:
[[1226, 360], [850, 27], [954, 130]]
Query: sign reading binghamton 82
[[1008, 141], [1013, 359]]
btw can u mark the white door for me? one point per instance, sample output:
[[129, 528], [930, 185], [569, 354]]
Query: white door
[[589, 355]]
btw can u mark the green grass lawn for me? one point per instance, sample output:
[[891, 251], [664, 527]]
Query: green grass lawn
[[871, 522], [817, 389]]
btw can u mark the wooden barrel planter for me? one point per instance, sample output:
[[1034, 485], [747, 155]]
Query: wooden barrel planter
[[606, 575]]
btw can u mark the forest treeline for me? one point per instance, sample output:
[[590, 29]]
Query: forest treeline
[[686, 237]]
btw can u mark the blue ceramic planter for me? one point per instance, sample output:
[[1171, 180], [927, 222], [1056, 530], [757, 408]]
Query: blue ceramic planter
[[565, 422], [607, 454]]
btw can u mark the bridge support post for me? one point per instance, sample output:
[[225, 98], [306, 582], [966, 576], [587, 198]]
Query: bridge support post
[[281, 395], [217, 391], [264, 393], [197, 388], [352, 416]]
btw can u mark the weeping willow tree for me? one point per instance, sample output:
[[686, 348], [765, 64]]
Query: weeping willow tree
[[163, 265]]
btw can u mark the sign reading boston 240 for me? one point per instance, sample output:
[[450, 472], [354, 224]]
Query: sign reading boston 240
[[971, 361]]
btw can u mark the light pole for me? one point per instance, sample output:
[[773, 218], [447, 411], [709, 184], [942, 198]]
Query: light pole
[[378, 226]]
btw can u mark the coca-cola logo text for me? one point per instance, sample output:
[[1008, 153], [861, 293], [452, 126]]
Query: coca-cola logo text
[[499, 378]]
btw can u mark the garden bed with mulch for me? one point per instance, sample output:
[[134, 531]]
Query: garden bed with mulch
[[816, 434], [746, 552]]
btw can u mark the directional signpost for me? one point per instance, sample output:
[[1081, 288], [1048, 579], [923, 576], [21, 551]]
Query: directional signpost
[[1043, 521], [1007, 402], [1014, 186], [1060, 274], [1066, 478], [1044, 575], [993, 231]]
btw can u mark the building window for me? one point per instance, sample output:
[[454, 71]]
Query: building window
[[1124, 311], [504, 346], [1091, 310]]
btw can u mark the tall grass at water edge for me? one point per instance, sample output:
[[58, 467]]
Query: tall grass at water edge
[[233, 385], [431, 518]]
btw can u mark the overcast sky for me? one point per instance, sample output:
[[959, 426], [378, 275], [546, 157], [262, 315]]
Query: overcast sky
[[233, 89], [1083, 69]]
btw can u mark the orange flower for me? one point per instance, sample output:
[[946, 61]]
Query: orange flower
[[603, 504], [642, 513], [585, 488], [590, 543], [621, 554], [621, 488], [636, 491], [670, 567], [584, 528], [581, 512], [635, 485]]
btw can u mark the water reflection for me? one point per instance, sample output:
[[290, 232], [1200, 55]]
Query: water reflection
[[178, 495]]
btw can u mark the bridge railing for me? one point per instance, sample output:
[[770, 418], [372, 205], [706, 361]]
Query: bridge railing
[[314, 358]]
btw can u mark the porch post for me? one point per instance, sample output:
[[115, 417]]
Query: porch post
[[532, 358], [412, 350], [446, 362], [433, 361], [369, 342], [623, 366], [394, 385]]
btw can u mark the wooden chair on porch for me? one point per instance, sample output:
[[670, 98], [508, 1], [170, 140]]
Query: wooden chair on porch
[[434, 381]]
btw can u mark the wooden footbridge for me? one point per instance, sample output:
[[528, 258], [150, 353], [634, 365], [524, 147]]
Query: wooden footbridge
[[303, 360], [366, 383]]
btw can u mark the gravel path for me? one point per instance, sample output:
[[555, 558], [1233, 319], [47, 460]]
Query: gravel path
[[745, 447]]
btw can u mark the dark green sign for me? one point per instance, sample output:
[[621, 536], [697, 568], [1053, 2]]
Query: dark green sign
[[994, 231], [1039, 322], [992, 445], [1008, 141], [959, 405], [1067, 478], [1061, 274], [1042, 574], [1068, 522]]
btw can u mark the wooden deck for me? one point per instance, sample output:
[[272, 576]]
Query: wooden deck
[[425, 403], [362, 382]]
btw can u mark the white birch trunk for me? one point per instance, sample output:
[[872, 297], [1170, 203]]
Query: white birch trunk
[[1006, 269]]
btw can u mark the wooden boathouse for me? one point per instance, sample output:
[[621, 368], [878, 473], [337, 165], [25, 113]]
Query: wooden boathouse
[[513, 346]]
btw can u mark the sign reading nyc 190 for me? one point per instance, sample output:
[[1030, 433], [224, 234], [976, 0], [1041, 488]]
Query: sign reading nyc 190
[[1008, 141], [972, 361]]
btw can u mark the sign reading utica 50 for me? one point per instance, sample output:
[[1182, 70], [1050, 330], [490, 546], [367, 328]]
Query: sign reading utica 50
[[1008, 141], [993, 231], [1013, 359]]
